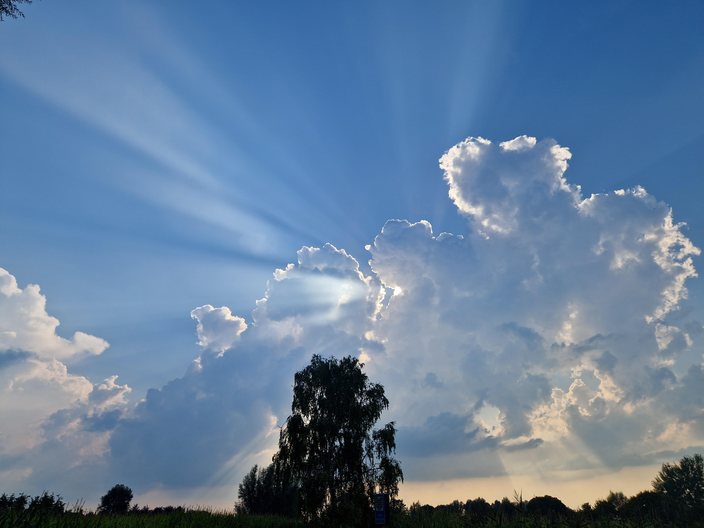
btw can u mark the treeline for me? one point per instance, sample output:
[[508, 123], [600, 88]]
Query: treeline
[[677, 499], [50, 505], [50, 511], [646, 509]]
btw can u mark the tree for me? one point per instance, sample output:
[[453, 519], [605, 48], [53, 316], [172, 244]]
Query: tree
[[266, 491], [548, 506], [646, 505], [610, 506], [247, 493], [683, 483], [328, 445], [8, 8], [116, 500], [478, 510]]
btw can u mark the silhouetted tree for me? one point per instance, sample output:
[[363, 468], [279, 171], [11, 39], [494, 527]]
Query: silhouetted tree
[[478, 509], [13, 502], [646, 505], [328, 444], [547, 506], [609, 507], [247, 493], [617, 498], [116, 500], [683, 483], [398, 507], [48, 504], [455, 507], [505, 508], [267, 491], [8, 8]]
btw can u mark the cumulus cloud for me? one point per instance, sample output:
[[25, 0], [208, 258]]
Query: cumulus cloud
[[35, 385], [217, 328], [71, 450], [549, 288], [550, 338], [25, 325], [555, 313], [204, 427]]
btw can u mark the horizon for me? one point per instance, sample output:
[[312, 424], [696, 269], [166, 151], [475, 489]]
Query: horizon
[[495, 207]]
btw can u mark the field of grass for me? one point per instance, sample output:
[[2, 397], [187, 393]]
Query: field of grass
[[184, 519], [202, 519]]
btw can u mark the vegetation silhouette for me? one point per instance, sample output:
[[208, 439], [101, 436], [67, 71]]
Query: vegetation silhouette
[[330, 461], [116, 500], [682, 485], [8, 8], [267, 491], [547, 506], [655, 508]]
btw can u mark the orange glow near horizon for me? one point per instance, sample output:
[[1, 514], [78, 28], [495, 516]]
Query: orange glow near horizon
[[574, 490]]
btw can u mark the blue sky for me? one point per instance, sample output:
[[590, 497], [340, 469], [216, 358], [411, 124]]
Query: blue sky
[[156, 160]]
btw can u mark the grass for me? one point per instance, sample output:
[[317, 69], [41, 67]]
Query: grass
[[185, 519], [215, 519], [49, 511]]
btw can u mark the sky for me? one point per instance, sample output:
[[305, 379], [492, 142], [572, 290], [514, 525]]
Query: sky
[[494, 205]]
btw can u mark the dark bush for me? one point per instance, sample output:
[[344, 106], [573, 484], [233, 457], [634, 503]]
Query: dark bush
[[682, 485], [116, 500], [646, 505], [45, 504], [547, 506], [478, 509], [267, 491]]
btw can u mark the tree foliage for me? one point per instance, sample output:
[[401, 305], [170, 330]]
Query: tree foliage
[[683, 483], [328, 444], [267, 491], [646, 505], [8, 8], [547, 506], [116, 500]]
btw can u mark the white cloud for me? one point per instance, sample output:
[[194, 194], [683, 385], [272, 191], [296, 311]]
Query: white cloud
[[217, 328], [508, 187], [203, 429], [30, 390], [71, 453], [25, 325], [549, 330], [549, 290], [552, 313], [34, 383]]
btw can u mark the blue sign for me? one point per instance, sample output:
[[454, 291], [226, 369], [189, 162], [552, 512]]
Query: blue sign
[[381, 508]]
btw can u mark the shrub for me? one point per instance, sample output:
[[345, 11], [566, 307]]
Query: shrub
[[116, 500]]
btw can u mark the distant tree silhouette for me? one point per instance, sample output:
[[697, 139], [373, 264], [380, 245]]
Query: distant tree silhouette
[[116, 500], [609, 507], [683, 483], [617, 498], [8, 8], [646, 505], [247, 493], [505, 508], [454, 507], [46, 503], [478, 509], [547, 506], [267, 491]]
